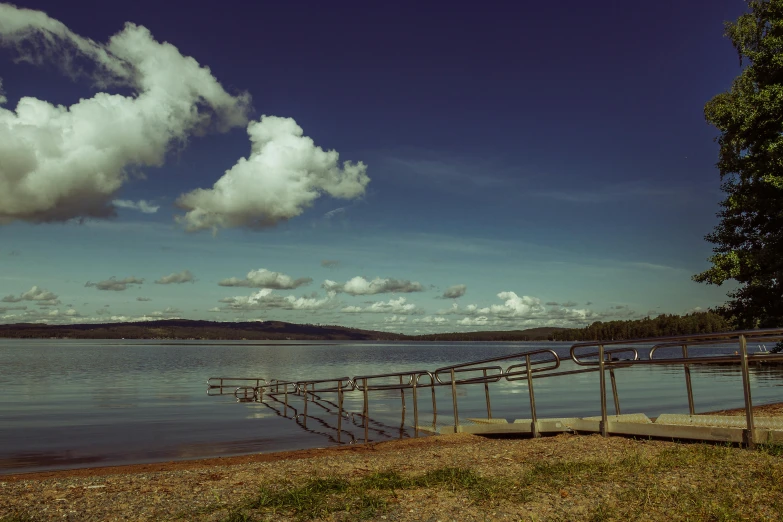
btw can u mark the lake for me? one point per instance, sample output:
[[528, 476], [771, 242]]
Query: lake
[[75, 403]]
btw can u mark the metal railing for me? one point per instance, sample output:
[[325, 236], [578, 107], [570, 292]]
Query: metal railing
[[742, 357], [594, 356]]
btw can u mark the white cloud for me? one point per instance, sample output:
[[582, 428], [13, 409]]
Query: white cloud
[[142, 205], [34, 294], [283, 175], [361, 286], [433, 320], [266, 299], [393, 306], [3, 99], [517, 306], [68, 162], [481, 320], [263, 278], [114, 284], [396, 319], [176, 278], [518, 311], [333, 213], [454, 292], [168, 313]]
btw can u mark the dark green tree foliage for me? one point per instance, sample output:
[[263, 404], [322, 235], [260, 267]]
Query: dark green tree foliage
[[662, 325], [749, 238]]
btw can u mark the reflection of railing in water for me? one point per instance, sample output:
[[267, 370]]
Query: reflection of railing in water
[[597, 356]]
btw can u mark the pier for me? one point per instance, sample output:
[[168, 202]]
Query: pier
[[298, 399]]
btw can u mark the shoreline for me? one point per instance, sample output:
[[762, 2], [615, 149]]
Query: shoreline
[[766, 410], [446, 477]]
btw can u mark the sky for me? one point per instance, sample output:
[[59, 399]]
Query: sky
[[408, 166]]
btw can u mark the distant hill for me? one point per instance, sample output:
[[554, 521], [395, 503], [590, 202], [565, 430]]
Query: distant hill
[[699, 322], [257, 330], [531, 334], [186, 329]]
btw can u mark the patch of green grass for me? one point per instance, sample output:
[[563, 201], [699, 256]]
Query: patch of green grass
[[363, 498], [683, 482], [313, 499], [390, 480], [775, 449], [450, 478]]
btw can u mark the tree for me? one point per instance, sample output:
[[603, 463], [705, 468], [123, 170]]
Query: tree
[[749, 237]]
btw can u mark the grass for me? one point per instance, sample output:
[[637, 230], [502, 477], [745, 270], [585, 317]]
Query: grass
[[683, 482], [18, 517]]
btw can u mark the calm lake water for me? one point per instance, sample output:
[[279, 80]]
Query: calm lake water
[[73, 403]]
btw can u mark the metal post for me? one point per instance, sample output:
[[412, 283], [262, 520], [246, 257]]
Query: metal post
[[339, 409], [305, 405], [614, 391], [486, 394], [454, 400], [415, 407], [688, 385], [602, 381], [533, 424], [402, 395], [286, 401], [434, 405], [749, 439], [365, 412]]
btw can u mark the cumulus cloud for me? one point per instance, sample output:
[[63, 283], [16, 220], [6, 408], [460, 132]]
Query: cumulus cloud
[[176, 278], [64, 162], [454, 292], [569, 304], [283, 175], [3, 99], [481, 320], [266, 299], [36, 294], [142, 205], [396, 319], [114, 284], [516, 310], [361, 286], [393, 306], [263, 278], [329, 263], [433, 320]]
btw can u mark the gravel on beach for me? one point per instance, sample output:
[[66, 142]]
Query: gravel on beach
[[208, 489]]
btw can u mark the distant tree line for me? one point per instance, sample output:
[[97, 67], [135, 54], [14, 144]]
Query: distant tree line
[[660, 326]]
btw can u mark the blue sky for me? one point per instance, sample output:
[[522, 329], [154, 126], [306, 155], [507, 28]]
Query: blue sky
[[510, 165]]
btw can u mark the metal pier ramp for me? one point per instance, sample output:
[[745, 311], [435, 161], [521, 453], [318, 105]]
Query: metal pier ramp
[[715, 428], [291, 399]]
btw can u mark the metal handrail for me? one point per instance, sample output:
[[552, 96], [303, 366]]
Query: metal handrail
[[687, 339], [554, 364], [592, 356], [360, 382], [494, 377], [226, 382], [341, 383], [581, 362]]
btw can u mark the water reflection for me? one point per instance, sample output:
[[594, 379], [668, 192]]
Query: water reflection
[[76, 403]]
